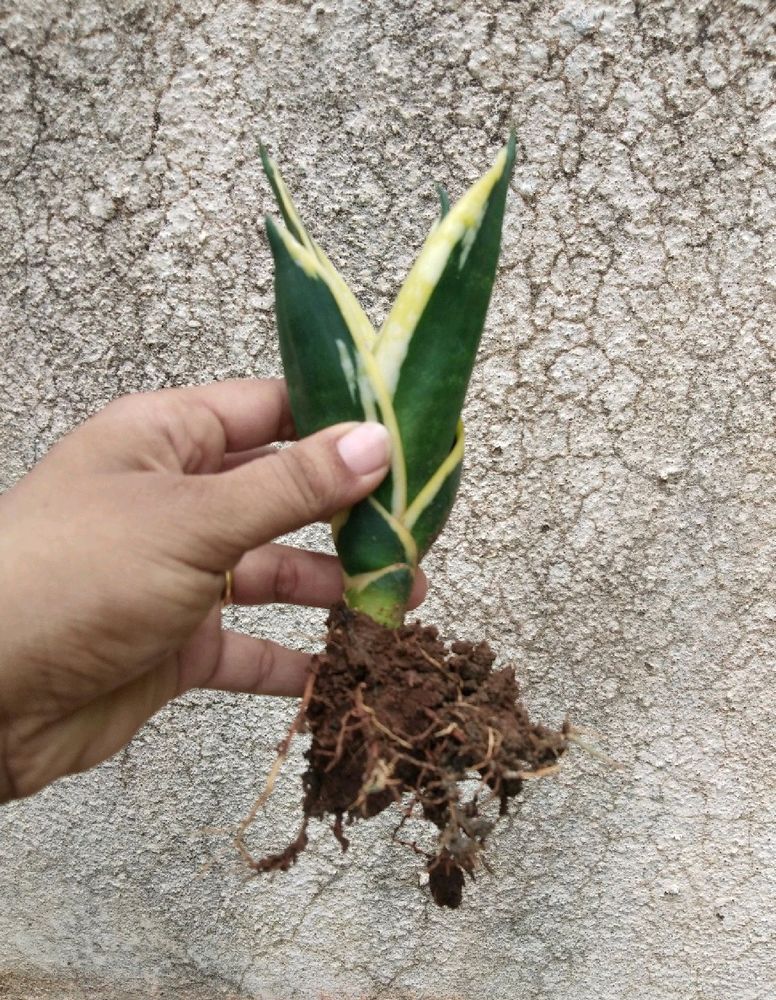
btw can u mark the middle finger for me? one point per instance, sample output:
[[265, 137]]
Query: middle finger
[[282, 574]]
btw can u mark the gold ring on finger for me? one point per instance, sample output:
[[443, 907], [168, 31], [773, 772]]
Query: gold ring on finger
[[227, 594]]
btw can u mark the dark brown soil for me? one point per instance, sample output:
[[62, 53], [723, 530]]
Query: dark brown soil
[[397, 717]]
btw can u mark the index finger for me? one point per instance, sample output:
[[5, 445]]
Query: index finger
[[252, 412], [187, 429]]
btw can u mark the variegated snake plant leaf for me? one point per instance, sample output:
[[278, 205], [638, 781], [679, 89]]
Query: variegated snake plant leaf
[[412, 375]]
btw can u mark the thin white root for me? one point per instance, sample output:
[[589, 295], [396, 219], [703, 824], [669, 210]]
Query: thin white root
[[593, 751], [540, 772], [282, 753]]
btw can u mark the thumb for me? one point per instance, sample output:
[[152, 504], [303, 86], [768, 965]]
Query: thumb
[[309, 481]]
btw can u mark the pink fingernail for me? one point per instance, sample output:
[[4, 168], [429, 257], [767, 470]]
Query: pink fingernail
[[366, 448]]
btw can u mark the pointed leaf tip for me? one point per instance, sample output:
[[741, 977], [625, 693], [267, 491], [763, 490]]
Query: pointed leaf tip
[[444, 200], [266, 162], [511, 146]]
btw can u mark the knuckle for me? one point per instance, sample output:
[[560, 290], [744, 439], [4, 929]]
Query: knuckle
[[130, 406], [285, 583], [10, 786], [123, 404], [264, 667], [17, 766], [310, 483]]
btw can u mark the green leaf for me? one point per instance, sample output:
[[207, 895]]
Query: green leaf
[[320, 359], [428, 344], [285, 204], [427, 514], [304, 247], [435, 515], [372, 392], [368, 540]]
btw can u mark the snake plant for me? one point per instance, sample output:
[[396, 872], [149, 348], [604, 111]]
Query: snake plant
[[411, 375]]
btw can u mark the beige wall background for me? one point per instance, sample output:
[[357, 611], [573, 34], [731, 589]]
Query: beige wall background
[[614, 534]]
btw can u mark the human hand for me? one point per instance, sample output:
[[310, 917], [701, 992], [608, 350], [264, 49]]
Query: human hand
[[113, 554]]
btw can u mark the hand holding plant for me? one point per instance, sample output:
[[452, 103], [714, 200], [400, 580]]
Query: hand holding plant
[[113, 552]]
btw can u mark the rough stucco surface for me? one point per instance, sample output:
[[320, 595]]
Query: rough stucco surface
[[615, 532]]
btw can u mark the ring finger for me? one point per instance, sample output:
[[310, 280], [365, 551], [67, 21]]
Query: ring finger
[[282, 574]]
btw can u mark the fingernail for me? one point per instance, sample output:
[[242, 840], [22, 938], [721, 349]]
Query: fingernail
[[366, 448]]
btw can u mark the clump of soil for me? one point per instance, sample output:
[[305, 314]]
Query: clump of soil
[[393, 713]]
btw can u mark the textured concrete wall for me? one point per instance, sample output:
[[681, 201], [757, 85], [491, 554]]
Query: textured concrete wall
[[615, 532]]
